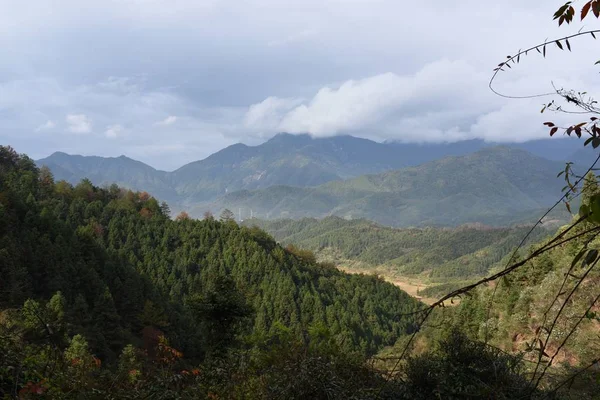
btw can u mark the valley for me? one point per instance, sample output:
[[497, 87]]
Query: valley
[[303, 200], [356, 281]]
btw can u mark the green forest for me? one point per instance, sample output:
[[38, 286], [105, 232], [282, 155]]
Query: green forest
[[439, 253], [104, 295], [100, 278], [447, 252]]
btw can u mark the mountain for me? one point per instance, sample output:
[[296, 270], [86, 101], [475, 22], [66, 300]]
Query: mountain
[[101, 171], [291, 160], [495, 186]]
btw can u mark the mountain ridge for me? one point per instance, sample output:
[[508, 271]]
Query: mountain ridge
[[485, 186], [296, 163]]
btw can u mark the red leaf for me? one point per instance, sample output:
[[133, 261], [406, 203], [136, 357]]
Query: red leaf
[[585, 9]]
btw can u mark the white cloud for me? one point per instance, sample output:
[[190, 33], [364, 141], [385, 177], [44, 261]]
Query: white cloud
[[46, 126], [114, 131], [442, 96], [78, 123], [170, 120], [267, 114]]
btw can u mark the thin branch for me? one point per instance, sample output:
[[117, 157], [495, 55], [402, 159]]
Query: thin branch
[[525, 52], [571, 378]]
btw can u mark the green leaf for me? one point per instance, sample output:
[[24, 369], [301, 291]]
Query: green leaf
[[591, 256], [595, 208], [578, 257]]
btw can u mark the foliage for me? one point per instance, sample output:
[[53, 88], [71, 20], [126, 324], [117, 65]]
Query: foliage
[[442, 253], [460, 368], [99, 286]]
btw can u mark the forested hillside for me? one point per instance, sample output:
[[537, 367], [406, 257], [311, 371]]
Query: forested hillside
[[547, 311], [96, 271], [440, 253], [496, 186]]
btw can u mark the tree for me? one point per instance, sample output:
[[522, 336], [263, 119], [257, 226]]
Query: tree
[[220, 311], [590, 188], [165, 209], [462, 368], [227, 215], [182, 216]]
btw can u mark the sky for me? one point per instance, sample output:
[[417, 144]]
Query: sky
[[169, 82]]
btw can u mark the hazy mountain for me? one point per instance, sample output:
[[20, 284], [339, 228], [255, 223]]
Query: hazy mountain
[[121, 170], [495, 185], [300, 160], [292, 160]]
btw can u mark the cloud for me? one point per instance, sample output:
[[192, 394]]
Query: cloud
[[259, 67], [78, 123], [441, 96], [170, 120], [114, 131], [293, 38], [267, 114], [46, 126]]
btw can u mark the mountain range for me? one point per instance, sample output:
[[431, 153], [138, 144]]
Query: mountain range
[[496, 186], [298, 175]]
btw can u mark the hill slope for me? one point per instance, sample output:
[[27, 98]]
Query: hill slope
[[497, 185], [443, 253]]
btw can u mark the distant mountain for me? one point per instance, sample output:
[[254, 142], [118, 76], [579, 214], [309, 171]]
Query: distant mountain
[[303, 161], [121, 170], [496, 186], [285, 164], [285, 159], [291, 160]]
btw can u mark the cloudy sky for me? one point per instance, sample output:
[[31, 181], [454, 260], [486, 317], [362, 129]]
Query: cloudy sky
[[168, 82]]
